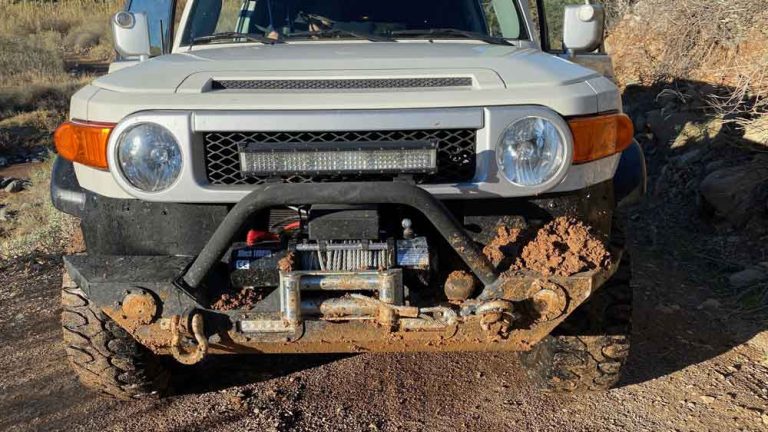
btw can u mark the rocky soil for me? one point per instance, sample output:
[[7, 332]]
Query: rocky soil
[[695, 365]]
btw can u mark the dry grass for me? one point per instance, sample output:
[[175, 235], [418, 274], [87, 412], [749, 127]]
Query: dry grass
[[35, 39], [36, 226], [80, 25]]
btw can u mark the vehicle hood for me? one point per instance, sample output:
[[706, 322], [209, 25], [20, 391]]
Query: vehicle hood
[[511, 66]]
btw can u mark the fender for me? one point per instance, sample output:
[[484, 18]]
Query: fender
[[630, 182]]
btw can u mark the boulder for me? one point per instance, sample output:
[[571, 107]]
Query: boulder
[[667, 126], [748, 277], [14, 186], [736, 193], [756, 131], [687, 158]]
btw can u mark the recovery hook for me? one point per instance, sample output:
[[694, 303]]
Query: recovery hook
[[188, 358]]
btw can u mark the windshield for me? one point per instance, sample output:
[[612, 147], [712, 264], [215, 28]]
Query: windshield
[[316, 19]]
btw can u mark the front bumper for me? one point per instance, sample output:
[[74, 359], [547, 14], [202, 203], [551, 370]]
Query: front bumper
[[109, 281], [160, 298]]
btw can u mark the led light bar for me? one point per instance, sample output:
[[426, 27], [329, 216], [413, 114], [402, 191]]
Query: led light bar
[[265, 159]]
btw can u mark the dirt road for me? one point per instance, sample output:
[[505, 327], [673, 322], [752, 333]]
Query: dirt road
[[694, 366]]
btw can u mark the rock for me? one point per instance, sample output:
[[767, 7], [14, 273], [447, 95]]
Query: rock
[[748, 277], [639, 122], [668, 96], [667, 126], [668, 309], [14, 186], [696, 132], [735, 193], [4, 181], [707, 399], [715, 165], [4, 215], [757, 130], [688, 157], [236, 401], [709, 304]]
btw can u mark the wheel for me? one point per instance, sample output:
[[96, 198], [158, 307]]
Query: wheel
[[589, 349], [103, 355]]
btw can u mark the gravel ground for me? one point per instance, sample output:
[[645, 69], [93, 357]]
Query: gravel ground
[[693, 367]]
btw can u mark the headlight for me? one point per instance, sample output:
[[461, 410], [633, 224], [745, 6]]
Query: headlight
[[531, 151], [149, 157]]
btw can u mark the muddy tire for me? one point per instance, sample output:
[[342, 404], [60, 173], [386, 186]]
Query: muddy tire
[[589, 349], [103, 355]]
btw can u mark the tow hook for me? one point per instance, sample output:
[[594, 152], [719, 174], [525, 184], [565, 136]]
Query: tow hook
[[496, 316], [181, 356]]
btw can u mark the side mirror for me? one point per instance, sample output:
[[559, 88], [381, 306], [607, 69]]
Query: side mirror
[[583, 27], [131, 32]]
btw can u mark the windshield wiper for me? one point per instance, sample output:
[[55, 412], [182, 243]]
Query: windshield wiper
[[341, 32], [437, 32], [250, 37]]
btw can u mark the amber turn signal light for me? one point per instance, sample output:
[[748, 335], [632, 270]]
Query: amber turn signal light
[[83, 142], [597, 137]]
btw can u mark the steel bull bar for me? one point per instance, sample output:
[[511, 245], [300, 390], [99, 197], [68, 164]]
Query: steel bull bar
[[272, 195], [157, 298]]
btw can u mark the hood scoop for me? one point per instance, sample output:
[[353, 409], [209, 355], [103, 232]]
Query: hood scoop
[[341, 84]]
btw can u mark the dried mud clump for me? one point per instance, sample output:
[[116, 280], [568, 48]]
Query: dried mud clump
[[246, 298], [564, 247], [499, 247], [286, 263]]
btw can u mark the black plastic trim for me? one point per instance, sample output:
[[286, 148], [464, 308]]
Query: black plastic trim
[[631, 180], [66, 193]]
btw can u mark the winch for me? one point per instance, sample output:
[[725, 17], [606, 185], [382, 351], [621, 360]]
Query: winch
[[335, 263]]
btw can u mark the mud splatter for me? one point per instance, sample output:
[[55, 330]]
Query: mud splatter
[[246, 298], [286, 263], [563, 247], [503, 245]]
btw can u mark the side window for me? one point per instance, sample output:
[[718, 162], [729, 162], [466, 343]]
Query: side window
[[232, 12], [179, 11], [160, 15], [503, 18]]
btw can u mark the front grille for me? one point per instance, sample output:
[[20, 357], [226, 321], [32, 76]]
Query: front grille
[[455, 154], [341, 84]]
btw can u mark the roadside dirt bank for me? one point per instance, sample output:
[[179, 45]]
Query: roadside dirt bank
[[694, 366]]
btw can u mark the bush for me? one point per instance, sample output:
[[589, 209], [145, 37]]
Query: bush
[[720, 42]]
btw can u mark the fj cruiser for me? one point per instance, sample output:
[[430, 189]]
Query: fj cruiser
[[307, 176]]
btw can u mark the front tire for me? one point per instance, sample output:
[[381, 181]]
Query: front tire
[[588, 351], [103, 355]]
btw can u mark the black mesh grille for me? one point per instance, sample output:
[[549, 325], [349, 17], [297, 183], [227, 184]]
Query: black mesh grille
[[341, 84], [455, 154]]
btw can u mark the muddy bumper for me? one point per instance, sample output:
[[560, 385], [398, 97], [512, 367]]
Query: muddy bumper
[[162, 300]]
